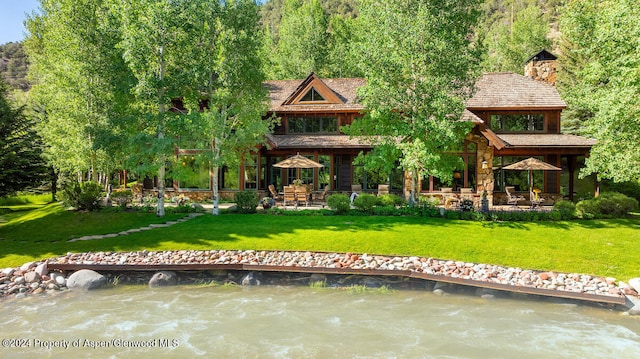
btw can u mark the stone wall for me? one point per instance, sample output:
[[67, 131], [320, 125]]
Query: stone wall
[[543, 71]]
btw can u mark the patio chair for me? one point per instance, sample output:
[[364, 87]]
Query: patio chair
[[322, 196], [383, 189], [274, 193], [450, 199], [302, 193], [513, 199], [289, 196], [535, 199], [468, 194]]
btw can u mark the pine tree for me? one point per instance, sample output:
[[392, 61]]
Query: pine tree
[[21, 163]]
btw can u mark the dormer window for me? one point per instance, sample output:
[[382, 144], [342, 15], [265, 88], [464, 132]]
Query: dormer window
[[312, 96]]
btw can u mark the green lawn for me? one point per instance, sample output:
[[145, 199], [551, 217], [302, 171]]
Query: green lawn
[[602, 247]]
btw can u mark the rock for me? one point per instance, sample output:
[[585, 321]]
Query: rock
[[25, 267], [86, 279], [42, 269], [19, 280], [8, 272], [61, 280], [31, 277], [250, 279], [163, 279], [197, 206], [635, 284]]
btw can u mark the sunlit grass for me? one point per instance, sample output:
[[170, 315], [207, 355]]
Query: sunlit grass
[[603, 247]]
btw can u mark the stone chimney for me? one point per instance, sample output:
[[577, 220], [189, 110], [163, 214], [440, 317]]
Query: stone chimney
[[542, 67]]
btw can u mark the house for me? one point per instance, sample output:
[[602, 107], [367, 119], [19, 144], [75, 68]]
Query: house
[[515, 117]]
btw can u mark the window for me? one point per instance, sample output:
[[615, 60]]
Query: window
[[372, 178], [230, 178], [517, 179], [324, 173], [275, 173], [312, 96], [313, 125], [518, 123], [463, 177], [251, 172], [193, 172]]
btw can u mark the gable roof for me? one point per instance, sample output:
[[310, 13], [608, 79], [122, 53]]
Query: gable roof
[[340, 93], [542, 55], [312, 82], [510, 91]]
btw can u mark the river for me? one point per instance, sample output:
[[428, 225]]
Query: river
[[306, 322]]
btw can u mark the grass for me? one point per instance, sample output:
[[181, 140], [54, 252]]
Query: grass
[[598, 247]]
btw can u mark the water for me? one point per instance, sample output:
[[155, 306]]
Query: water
[[304, 322]]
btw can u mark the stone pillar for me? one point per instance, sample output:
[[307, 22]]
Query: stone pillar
[[484, 173]]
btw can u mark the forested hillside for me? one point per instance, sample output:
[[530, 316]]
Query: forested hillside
[[105, 67], [321, 35], [14, 66]]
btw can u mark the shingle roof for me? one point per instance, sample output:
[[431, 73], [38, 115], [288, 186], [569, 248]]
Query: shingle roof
[[507, 90], [344, 88], [545, 140], [317, 141]]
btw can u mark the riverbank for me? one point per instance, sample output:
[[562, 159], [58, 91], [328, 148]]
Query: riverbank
[[42, 277]]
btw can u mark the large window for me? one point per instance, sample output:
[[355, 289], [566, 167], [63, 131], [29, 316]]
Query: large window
[[230, 178], [463, 177], [517, 179], [275, 173], [313, 124], [324, 173], [372, 178], [193, 172], [533, 122], [251, 172]]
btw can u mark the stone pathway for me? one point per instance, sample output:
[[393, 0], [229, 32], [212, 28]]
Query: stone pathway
[[135, 230]]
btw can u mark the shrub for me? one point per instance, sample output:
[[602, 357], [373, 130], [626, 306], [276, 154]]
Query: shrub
[[386, 211], [365, 202], [247, 201], [122, 198], [82, 196], [391, 200], [339, 203], [607, 205], [631, 189], [566, 209], [466, 205]]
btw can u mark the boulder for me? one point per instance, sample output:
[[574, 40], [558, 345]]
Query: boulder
[[250, 279], [42, 269], [86, 279], [163, 279], [197, 206], [25, 267], [635, 284], [31, 277], [8, 272]]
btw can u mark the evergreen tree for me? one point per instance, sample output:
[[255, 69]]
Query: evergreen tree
[[21, 163]]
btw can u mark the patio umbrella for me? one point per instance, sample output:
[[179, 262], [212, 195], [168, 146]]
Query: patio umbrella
[[531, 164], [298, 161]]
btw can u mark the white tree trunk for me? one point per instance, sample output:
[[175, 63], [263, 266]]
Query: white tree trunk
[[215, 211]]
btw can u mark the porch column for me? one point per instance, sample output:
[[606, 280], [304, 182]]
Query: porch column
[[571, 164]]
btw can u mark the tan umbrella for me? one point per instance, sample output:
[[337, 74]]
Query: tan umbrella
[[531, 164], [298, 161]]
